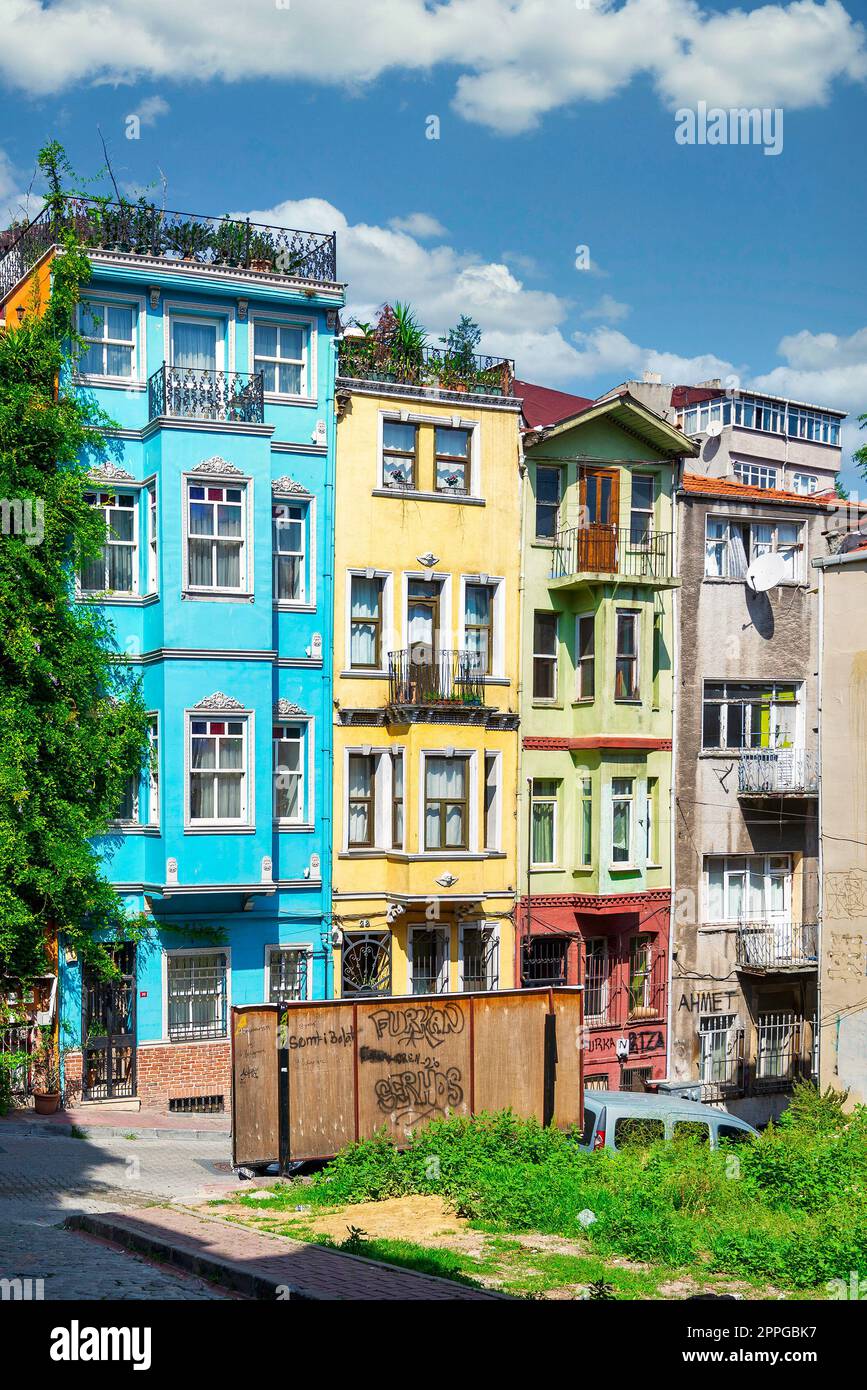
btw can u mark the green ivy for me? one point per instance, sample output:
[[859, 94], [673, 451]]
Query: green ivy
[[73, 719]]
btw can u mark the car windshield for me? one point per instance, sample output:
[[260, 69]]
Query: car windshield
[[589, 1123]]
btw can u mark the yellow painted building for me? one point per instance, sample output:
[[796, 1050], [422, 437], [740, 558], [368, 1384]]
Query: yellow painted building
[[427, 563]]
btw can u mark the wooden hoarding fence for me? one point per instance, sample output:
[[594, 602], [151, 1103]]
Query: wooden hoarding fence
[[310, 1077]]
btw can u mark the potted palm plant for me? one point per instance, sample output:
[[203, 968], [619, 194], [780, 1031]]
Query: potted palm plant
[[46, 1089], [187, 239], [261, 252]]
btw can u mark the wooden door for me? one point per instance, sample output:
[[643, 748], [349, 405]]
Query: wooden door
[[600, 512]]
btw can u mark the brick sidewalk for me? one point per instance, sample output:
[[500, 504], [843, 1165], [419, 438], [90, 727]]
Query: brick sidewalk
[[152, 1124], [257, 1265]]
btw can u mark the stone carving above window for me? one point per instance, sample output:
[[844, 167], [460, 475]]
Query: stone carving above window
[[287, 709], [287, 487], [218, 467], [219, 701], [109, 472]]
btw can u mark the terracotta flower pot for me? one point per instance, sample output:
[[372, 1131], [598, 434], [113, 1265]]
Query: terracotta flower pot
[[46, 1102]]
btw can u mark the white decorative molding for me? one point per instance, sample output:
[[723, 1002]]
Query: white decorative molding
[[428, 560], [154, 293], [219, 701], [243, 306], [446, 880], [287, 487], [218, 466], [171, 871], [285, 709], [267, 869], [315, 866], [316, 646], [319, 435], [110, 473]]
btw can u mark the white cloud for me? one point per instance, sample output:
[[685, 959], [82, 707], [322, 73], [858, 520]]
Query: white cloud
[[516, 59], [418, 224], [609, 309], [15, 201], [149, 110]]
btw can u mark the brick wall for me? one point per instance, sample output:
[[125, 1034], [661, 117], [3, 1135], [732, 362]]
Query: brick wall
[[167, 1070]]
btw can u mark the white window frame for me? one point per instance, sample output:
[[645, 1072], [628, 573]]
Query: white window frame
[[474, 471], [728, 862], [154, 777], [495, 758], [305, 506], [585, 798], [635, 615], [306, 771], [480, 924], [629, 797], [387, 642], [246, 820], [812, 481], [472, 846], [138, 373], [398, 756], [497, 583], [222, 318], [751, 522], [194, 951], [382, 799], [309, 376], [555, 833], [735, 750], [587, 613], [303, 948], [245, 486], [110, 490], [443, 978], [761, 475], [545, 656], [152, 502]]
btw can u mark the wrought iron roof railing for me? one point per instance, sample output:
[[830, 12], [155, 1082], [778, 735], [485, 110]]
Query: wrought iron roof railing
[[368, 359], [195, 393], [143, 229]]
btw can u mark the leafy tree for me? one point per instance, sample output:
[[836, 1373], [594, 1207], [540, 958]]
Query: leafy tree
[[461, 343], [74, 725]]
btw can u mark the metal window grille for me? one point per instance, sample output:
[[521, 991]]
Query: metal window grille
[[597, 974], [596, 1083], [544, 961], [633, 1078], [197, 997], [288, 974], [481, 958], [366, 964], [18, 1038], [721, 1052], [429, 961], [197, 1105], [778, 1049]]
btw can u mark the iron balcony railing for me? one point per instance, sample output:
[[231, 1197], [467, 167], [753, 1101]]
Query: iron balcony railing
[[420, 676], [777, 945], [778, 771], [626, 551], [196, 393], [367, 359], [142, 229]]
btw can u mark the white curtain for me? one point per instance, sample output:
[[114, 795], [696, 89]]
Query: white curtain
[[194, 345], [365, 605]]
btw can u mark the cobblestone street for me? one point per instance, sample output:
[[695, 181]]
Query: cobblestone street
[[46, 1176]]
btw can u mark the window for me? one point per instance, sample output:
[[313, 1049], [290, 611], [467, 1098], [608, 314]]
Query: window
[[196, 995], [397, 805], [452, 460], [362, 800], [288, 973], [128, 810], [154, 770], [768, 416], [288, 523], [288, 744], [547, 503], [215, 536], [731, 546], [109, 331], [691, 1131], [543, 850], [626, 659], [718, 1055], [480, 968], [280, 355], [545, 656], [641, 957], [750, 714], [479, 625], [429, 960], [115, 569], [633, 1079], [805, 483], [218, 771], [586, 801], [399, 454], [756, 475], [641, 515], [597, 980], [544, 961], [748, 888], [153, 540], [446, 804], [651, 851], [492, 801], [778, 1046], [631, 1131], [622, 789], [365, 623], [586, 655]]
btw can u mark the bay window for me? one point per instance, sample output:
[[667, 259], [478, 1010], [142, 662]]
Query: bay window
[[585, 658], [446, 806], [622, 799], [545, 656], [626, 657], [748, 888], [217, 771]]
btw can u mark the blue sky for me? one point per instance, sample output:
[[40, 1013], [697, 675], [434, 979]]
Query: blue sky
[[557, 124]]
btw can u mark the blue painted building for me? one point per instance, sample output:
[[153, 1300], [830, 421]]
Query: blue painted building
[[216, 359]]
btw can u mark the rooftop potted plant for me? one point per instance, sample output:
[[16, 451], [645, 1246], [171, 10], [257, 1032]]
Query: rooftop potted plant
[[261, 252], [459, 359], [229, 241], [187, 239]]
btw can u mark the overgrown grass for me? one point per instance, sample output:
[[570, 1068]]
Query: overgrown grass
[[790, 1208]]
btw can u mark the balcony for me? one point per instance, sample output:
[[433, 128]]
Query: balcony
[[369, 359], [143, 230], [196, 393], [776, 772], [422, 678], [597, 554], [771, 946]]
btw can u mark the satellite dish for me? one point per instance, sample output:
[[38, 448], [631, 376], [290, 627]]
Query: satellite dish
[[767, 571], [715, 428]]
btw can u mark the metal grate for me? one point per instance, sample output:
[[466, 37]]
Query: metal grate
[[633, 1078], [721, 1054], [544, 961], [197, 997], [597, 970], [19, 1040], [197, 1105], [780, 1040]]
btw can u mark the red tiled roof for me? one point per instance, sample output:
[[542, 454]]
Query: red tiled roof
[[542, 406], [723, 487], [682, 396]]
